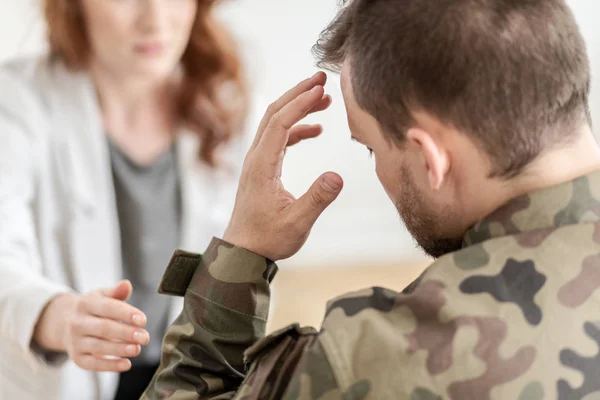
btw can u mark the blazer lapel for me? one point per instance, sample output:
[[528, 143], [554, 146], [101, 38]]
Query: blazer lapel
[[93, 232]]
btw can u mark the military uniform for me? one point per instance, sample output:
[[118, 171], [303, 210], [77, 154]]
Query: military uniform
[[515, 314]]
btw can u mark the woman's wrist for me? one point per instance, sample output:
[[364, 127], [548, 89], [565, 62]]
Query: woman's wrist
[[50, 331]]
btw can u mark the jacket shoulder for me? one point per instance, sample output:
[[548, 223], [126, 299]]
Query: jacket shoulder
[[35, 88], [23, 86], [26, 74]]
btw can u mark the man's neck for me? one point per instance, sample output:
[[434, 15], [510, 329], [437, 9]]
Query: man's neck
[[560, 165], [556, 166], [137, 115]]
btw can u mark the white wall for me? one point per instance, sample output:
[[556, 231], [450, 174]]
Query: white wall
[[362, 226], [21, 29], [587, 12]]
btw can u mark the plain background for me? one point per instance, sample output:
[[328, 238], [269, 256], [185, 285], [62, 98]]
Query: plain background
[[276, 37], [359, 241]]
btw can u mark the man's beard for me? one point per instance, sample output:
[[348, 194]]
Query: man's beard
[[422, 223]]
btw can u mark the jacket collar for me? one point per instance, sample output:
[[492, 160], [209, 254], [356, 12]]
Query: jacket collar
[[573, 202]]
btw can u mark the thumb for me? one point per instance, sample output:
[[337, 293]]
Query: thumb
[[320, 195], [120, 292]]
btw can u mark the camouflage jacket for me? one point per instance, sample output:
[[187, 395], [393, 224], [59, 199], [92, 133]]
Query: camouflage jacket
[[513, 315]]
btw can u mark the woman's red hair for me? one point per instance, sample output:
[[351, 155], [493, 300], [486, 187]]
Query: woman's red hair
[[212, 99]]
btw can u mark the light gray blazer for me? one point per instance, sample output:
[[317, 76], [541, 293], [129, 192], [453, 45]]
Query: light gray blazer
[[58, 223]]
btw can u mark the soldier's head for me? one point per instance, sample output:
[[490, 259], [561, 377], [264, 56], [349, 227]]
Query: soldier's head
[[458, 99]]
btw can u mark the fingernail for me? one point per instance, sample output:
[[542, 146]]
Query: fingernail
[[131, 349], [316, 89], [332, 187], [138, 319], [141, 337], [125, 364]]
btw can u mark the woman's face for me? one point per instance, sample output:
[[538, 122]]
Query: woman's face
[[139, 39]]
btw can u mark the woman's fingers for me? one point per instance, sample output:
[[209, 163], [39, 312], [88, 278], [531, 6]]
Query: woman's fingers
[[108, 329], [93, 363], [99, 347], [106, 307]]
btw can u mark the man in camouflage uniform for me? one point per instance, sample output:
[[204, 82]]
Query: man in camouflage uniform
[[476, 111]]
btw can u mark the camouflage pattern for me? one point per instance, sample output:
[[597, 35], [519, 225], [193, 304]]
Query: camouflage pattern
[[225, 312], [513, 315]]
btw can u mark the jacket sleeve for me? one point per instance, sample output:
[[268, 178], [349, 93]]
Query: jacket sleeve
[[216, 349], [226, 303], [24, 292], [288, 365]]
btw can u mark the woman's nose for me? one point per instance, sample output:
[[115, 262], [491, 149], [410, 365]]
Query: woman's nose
[[153, 14]]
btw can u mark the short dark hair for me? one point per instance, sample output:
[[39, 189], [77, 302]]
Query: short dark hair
[[513, 74]]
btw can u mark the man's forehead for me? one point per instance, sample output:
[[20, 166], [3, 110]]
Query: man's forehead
[[345, 81], [347, 89], [358, 119], [347, 94]]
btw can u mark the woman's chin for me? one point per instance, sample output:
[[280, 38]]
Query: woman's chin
[[151, 69]]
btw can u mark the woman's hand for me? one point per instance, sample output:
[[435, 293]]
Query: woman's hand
[[99, 331]]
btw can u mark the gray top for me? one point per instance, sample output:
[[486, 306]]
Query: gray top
[[149, 209]]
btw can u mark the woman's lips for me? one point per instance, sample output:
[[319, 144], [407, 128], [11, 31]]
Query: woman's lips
[[150, 49]]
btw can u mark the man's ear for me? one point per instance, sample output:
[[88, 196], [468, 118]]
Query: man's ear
[[436, 157]]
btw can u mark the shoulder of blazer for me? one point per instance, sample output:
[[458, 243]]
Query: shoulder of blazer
[[28, 85], [20, 101]]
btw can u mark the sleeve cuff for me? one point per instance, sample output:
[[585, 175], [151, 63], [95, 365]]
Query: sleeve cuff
[[229, 276], [233, 264], [33, 299]]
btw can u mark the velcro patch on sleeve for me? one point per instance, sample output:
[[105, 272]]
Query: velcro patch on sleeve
[[179, 273]]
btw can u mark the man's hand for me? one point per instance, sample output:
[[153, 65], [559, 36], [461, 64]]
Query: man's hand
[[95, 326], [267, 219]]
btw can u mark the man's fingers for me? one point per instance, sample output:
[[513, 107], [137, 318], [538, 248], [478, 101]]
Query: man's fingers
[[106, 307], [320, 78], [90, 362], [276, 134], [301, 132], [108, 329], [322, 105], [320, 195]]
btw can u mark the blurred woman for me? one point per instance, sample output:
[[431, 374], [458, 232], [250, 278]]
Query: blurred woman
[[115, 149]]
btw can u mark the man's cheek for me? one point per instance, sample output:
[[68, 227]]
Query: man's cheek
[[384, 172], [388, 182]]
